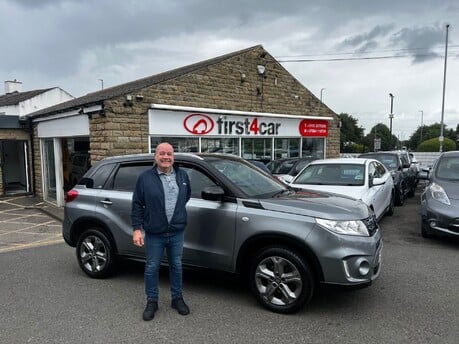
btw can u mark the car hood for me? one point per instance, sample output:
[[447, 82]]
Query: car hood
[[357, 192], [318, 204]]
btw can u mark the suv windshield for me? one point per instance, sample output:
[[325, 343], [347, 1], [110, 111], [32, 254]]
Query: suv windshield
[[448, 168], [247, 179]]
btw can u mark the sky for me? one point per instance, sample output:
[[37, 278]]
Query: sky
[[354, 53]]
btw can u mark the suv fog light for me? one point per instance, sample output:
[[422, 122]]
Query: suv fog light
[[433, 224], [364, 266]]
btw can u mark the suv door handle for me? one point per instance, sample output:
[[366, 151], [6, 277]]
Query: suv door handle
[[106, 202]]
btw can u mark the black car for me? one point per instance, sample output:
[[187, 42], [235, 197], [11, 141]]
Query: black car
[[287, 168], [399, 165]]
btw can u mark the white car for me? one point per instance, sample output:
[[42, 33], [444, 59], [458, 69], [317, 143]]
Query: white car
[[364, 179]]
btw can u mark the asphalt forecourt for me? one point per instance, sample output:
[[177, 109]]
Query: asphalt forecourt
[[23, 224]]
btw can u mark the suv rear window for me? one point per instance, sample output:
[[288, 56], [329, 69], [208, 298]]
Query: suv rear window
[[126, 176]]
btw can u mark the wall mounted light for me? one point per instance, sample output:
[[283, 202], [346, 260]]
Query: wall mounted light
[[128, 101], [242, 78], [261, 69]]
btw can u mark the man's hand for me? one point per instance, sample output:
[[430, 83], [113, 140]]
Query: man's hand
[[137, 238]]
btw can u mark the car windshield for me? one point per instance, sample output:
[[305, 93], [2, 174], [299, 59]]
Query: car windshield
[[280, 167], [388, 160], [332, 174], [248, 179], [448, 168]]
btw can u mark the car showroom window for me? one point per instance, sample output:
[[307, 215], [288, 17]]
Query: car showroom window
[[126, 176]]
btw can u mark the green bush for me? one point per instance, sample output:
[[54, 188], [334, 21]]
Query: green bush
[[433, 145]]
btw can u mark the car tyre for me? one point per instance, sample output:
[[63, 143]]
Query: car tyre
[[425, 232], [412, 190], [400, 199], [390, 210], [95, 253], [281, 280]]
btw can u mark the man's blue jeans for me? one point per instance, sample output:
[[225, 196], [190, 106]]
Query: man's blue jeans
[[155, 245]]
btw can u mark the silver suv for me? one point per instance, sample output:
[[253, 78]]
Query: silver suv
[[240, 220]]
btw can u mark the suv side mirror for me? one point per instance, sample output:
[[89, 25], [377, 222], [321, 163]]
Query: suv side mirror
[[88, 182], [212, 193]]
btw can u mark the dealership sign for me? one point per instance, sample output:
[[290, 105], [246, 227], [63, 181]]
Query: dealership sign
[[313, 127], [166, 122]]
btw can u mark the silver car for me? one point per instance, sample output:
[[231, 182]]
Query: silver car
[[440, 199], [240, 220]]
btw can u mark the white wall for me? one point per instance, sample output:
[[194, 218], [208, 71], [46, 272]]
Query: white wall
[[41, 101]]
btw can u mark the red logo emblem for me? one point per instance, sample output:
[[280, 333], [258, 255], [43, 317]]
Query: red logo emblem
[[198, 124]]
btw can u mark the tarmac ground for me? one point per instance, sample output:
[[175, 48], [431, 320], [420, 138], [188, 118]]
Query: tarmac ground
[[26, 221]]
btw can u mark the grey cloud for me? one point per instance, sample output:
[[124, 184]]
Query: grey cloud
[[363, 39], [421, 42]]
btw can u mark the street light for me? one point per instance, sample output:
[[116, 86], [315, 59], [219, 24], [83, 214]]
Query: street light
[[441, 138], [391, 115], [422, 122], [321, 90]]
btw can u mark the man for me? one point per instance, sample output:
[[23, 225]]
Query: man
[[158, 207]]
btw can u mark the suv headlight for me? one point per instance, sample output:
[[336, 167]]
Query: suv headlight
[[439, 194], [345, 227]]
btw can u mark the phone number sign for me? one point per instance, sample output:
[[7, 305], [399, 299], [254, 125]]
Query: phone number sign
[[313, 127]]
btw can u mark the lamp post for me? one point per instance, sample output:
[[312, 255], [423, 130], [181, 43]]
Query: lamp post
[[422, 122], [321, 90], [441, 138], [391, 116]]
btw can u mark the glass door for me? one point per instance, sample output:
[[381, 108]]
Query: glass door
[[49, 169]]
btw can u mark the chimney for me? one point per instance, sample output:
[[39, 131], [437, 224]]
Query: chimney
[[13, 86]]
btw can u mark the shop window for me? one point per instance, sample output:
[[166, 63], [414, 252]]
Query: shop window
[[286, 148], [220, 145], [313, 147], [257, 149], [180, 144]]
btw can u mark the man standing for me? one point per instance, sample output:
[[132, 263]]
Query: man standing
[[158, 207]]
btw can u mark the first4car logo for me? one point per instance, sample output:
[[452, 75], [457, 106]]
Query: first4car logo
[[200, 124]]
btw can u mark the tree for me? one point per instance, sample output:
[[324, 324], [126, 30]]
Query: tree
[[433, 145], [430, 132], [382, 132], [351, 134]]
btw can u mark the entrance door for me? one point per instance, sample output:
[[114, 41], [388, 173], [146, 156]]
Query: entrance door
[[15, 167]]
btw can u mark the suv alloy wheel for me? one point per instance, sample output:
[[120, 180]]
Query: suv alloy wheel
[[95, 254], [280, 280]]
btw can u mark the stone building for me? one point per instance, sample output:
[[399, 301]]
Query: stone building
[[243, 103]]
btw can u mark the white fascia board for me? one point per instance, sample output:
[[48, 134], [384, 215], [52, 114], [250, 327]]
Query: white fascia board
[[233, 112], [85, 110]]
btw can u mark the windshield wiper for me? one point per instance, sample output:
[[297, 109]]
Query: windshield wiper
[[283, 192]]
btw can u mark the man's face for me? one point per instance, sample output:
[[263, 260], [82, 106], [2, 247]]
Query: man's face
[[164, 157]]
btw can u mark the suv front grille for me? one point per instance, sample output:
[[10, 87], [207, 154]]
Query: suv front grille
[[371, 224]]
